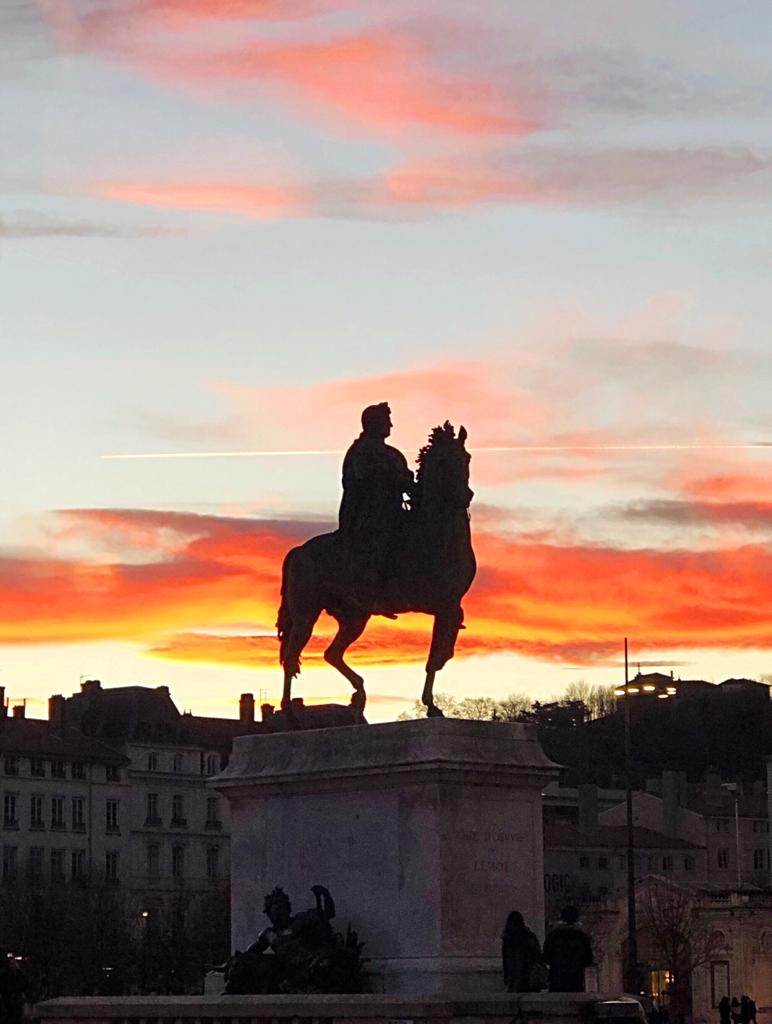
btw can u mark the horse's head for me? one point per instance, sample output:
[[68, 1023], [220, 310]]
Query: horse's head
[[443, 469]]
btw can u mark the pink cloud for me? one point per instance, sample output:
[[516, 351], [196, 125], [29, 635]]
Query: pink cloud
[[385, 81]]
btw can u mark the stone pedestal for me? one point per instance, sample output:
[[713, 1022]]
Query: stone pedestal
[[427, 834]]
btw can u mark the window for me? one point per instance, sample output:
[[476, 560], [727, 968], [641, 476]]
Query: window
[[57, 812], [78, 818], [667, 862], [213, 812], [111, 866], [11, 765], [178, 811], [58, 770], [112, 773], [57, 865], [36, 812], [38, 767], [212, 863], [211, 767], [719, 981], [688, 862], [761, 826], [603, 863], [153, 856], [653, 862], [10, 862], [78, 861], [178, 861], [111, 816], [761, 860], [10, 819], [584, 862], [152, 817], [722, 857], [78, 770], [177, 763], [36, 854], [152, 762], [722, 825]]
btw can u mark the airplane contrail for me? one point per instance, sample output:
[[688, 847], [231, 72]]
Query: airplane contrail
[[492, 449]]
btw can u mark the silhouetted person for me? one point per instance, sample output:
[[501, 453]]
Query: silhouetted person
[[520, 956], [747, 1010], [375, 479], [724, 1011], [567, 951]]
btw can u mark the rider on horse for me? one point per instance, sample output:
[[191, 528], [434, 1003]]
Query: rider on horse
[[376, 481]]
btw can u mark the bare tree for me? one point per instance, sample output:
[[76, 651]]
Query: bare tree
[[599, 700], [513, 707], [677, 935]]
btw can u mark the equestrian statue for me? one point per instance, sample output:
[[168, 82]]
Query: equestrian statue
[[403, 545]]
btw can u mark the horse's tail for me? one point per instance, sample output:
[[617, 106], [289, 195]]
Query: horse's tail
[[284, 619]]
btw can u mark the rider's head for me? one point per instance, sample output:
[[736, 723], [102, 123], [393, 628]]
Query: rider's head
[[376, 420]]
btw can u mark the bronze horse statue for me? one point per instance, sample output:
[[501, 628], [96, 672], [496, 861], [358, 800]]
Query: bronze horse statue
[[432, 566]]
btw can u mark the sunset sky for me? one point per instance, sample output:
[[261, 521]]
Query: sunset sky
[[228, 225]]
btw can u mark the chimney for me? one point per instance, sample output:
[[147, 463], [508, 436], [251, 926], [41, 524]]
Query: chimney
[[266, 711], [56, 711], [164, 690], [247, 709], [90, 686], [3, 708], [19, 711], [587, 795]]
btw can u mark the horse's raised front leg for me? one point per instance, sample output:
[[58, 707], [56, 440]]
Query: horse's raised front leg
[[349, 630], [447, 622]]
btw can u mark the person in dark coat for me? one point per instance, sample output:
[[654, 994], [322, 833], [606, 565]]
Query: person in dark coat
[[567, 951], [520, 955], [724, 1011]]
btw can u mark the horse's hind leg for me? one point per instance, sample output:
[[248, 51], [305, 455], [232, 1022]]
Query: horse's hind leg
[[298, 636], [349, 630]]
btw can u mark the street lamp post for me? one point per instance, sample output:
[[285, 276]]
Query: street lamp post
[[632, 981]]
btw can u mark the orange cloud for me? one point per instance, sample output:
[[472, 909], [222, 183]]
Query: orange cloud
[[191, 574], [260, 202], [750, 486]]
